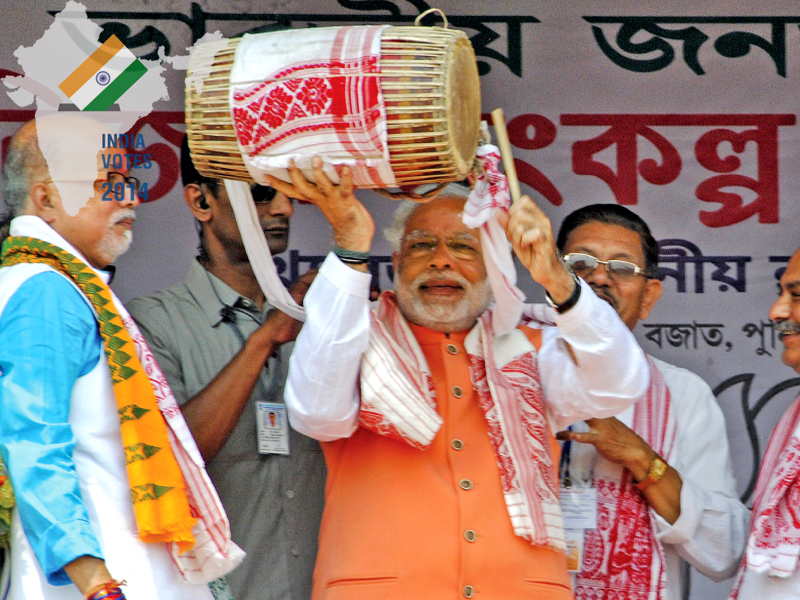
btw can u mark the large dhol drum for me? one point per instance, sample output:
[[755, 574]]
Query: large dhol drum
[[400, 105]]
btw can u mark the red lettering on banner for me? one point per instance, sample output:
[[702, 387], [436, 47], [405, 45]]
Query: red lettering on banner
[[733, 209], [624, 130], [167, 158], [544, 133], [13, 116], [530, 175]]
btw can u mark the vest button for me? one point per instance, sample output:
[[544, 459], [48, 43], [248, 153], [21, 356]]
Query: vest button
[[457, 391], [470, 535], [465, 484], [468, 591], [457, 444], [451, 348]]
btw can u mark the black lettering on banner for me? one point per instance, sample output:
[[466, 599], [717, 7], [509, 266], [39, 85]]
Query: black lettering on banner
[[685, 334], [783, 261], [484, 26], [683, 252], [750, 412], [731, 44], [751, 329]]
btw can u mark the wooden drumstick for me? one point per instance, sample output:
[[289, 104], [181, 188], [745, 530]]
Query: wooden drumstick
[[499, 120]]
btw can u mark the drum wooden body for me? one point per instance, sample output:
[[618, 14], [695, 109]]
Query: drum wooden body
[[431, 96]]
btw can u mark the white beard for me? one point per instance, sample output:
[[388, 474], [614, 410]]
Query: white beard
[[445, 316], [114, 245]]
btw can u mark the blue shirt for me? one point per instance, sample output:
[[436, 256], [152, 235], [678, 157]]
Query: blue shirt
[[48, 339]]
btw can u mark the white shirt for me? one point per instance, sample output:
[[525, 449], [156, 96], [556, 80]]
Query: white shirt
[[322, 387], [711, 531]]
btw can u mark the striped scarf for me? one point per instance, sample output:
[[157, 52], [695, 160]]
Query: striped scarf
[[773, 546], [169, 489], [398, 400], [623, 557]]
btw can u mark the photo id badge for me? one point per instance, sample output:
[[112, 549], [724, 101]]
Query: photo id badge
[[574, 539], [579, 508], [273, 428]]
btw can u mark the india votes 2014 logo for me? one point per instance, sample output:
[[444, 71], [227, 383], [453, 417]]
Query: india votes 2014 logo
[[117, 181], [104, 76], [96, 85]]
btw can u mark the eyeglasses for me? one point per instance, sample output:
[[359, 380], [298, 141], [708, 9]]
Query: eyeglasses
[[620, 270], [116, 183], [420, 245]]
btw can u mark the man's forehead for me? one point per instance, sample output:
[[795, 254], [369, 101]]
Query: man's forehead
[[601, 237], [791, 276], [437, 215]]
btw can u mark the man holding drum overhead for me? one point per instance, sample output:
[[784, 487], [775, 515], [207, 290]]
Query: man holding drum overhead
[[438, 433]]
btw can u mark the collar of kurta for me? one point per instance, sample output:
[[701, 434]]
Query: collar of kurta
[[429, 337], [36, 227]]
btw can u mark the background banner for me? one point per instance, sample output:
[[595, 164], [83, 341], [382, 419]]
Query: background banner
[[685, 112]]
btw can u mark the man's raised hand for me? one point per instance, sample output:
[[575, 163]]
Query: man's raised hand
[[531, 236], [352, 224]]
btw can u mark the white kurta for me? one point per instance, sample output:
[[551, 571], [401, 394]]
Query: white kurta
[[711, 531], [103, 480]]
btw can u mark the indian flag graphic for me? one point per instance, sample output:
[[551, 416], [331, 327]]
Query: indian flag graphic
[[104, 77]]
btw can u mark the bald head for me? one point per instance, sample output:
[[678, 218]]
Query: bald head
[[54, 172], [25, 165]]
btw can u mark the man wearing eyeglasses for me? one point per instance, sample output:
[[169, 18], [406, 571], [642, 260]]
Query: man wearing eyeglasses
[[100, 483], [437, 431], [661, 469], [224, 352]]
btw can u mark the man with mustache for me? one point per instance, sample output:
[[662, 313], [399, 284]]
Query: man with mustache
[[661, 468], [437, 432], [106, 490], [770, 568], [225, 352]]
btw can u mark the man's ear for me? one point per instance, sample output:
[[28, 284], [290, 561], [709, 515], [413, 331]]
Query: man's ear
[[651, 295], [196, 201], [42, 202]]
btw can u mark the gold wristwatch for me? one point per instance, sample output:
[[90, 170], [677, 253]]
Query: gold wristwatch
[[656, 471]]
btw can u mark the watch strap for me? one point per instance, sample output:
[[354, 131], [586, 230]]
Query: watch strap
[[658, 467], [569, 302]]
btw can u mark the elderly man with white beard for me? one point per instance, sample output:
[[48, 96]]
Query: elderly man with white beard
[[109, 484], [437, 433]]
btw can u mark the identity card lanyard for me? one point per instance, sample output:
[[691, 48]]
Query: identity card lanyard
[[272, 422], [578, 505]]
